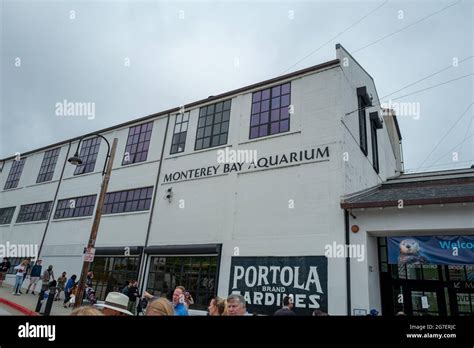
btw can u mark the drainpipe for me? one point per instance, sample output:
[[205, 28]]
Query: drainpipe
[[348, 264], [141, 272]]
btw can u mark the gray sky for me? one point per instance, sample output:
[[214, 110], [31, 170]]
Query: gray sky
[[179, 52]]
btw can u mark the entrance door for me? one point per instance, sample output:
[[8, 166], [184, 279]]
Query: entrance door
[[421, 300]]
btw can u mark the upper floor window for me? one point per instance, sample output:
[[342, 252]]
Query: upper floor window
[[270, 111], [34, 212], [363, 101], [179, 133], [47, 166], [15, 172], [375, 124], [6, 215], [75, 207], [138, 143], [213, 125], [88, 155], [128, 200]]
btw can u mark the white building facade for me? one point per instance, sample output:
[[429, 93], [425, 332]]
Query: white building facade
[[178, 212]]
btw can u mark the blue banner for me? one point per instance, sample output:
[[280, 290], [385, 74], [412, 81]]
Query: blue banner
[[435, 250]]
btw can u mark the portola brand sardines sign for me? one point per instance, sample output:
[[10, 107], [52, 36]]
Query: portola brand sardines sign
[[265, 281]]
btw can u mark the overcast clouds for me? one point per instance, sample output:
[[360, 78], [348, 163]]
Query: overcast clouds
[[176, 60]]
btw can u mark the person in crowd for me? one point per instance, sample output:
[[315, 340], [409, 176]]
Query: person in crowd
[[26, 272], [61, 285], [126, 288], [68, 289], [48, 276], [179, 301], [133, 294], [236, 305], [50, 292], [20, 271], [287, 309], [86, 310], [160, 307], [89, 278], [4, 267], [217, 306], [115, 304], [35, 275]]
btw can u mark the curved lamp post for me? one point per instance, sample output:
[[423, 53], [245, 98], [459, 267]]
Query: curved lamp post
[[76, 160]]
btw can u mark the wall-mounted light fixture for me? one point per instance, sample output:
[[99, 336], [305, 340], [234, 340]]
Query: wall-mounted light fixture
[[169, 194]]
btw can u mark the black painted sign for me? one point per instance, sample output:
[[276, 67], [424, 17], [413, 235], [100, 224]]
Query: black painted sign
[[265, 281]]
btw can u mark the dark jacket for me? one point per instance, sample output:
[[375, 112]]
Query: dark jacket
[[133, 293], [285, 311], [36, 271], [5, 266]]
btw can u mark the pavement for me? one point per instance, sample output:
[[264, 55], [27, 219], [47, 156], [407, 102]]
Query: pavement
[[29, 301]]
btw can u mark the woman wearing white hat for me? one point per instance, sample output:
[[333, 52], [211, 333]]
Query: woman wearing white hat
[[115, 304]]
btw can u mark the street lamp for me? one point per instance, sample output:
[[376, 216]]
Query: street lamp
[[76, 160]]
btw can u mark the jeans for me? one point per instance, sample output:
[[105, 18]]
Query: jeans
[[18, 282]]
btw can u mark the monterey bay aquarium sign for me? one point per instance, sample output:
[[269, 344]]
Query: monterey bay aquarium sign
[[436, 250], [317, 154], [265, 281]]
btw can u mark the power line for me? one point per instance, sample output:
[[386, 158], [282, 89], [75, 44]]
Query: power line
[[447, 153], [419, 91], [406, 27], [445, 135], [426, 77], [335, 37]]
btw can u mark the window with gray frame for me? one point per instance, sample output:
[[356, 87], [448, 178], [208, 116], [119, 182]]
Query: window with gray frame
[[75, 207], [179, 133], [213, 125], [15, 173], [6, 215], [34, 212], [47, 166], [88, 155], [128, 200]]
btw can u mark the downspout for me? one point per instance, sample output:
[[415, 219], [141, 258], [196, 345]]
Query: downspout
[[141, 273], [54, 201], [348, 264]]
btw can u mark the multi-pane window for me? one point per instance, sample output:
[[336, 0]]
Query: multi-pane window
[[363, 102], [138, 143], [34, 212], [75, 207], [213, 125], [375, 148], [47, 166], [6, 215], [88, 155], [270, 111], [179, 133], [128, 200], [15, 173]]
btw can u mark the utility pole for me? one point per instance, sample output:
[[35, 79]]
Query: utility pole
[[95, 225]]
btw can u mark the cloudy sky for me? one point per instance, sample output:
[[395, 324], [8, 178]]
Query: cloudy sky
[[135, 58]]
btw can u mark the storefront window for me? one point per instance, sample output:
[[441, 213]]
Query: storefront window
[[430, 272], [111, 273], [196, 273], [456, 272]]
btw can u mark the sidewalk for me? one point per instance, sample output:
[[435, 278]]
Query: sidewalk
[[29, 301]]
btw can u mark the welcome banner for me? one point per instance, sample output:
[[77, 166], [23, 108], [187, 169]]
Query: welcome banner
[[436, 250]]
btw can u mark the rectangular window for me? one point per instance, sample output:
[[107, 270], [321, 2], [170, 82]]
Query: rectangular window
[[6, 215], [47, 166], [88, 155], [363, 101], [75, 207], [198, 274], [213, 125], [179, 133], [34, 212], [128, 200], [375, 149], [270, 111], [15, 173], [138, 142]]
